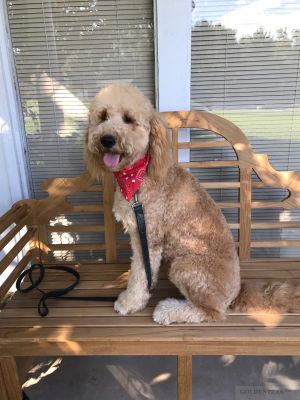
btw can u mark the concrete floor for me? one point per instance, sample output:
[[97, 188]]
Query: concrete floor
[[149, 378]]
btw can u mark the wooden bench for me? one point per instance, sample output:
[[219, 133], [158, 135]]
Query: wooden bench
[[91, 328]]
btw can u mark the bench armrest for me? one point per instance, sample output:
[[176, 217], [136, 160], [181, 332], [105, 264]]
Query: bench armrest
[[15, 235]]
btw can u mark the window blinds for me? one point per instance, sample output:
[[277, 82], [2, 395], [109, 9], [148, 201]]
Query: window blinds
[[246, 68], [65, 51]]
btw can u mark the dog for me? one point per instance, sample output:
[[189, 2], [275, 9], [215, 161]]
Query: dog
[[185, 228]]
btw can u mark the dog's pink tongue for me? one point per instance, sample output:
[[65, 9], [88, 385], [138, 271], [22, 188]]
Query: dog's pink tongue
[[111, 159]]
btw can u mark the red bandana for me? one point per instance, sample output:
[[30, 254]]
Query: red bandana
[[131, 177]]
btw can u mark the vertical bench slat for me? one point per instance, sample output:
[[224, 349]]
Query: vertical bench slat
[[245, 213], [184, 377], [42, 236], [3, 393], [10, 387], [109, 220], [175, 144]]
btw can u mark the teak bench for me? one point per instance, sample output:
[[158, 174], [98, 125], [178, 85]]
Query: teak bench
[[91, 328]]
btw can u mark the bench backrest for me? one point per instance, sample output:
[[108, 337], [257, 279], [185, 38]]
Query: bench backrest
[[63, 224]]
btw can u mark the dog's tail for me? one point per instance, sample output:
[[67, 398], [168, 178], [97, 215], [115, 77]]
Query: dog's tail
[[270, 296]]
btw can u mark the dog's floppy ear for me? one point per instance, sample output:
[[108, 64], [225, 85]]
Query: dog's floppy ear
[[92, 160], [160, 149]]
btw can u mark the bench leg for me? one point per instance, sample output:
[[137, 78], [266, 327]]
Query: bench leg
[[10, 387], [184, 377], [24, 365]]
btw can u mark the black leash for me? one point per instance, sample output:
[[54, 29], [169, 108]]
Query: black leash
[[53, 294], [141, 224]]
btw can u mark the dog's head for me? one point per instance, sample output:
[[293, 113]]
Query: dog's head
[[123, 126]]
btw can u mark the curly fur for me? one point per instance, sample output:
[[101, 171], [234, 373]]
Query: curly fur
[[184, 225], [160, 156]]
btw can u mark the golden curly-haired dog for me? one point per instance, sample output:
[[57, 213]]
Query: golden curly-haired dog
[[184, 225]]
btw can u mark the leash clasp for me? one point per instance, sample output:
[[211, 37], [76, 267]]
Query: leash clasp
[[136, 202]]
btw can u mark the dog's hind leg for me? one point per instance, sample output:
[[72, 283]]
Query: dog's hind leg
[[205, 298], [170, 311]]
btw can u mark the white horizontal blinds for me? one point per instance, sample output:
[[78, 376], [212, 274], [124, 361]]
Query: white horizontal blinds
[[65, 51], [246, 67]]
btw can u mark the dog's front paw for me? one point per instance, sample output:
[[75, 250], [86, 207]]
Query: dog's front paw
[[121, 305], [119, 308], [127, 303]]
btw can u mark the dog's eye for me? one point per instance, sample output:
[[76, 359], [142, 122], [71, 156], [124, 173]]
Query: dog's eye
[[128, 119], [103, 116]]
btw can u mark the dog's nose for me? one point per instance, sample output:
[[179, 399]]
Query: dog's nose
[[108, 141]]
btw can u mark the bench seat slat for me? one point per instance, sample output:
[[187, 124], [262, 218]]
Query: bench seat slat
[[114, 291], [155, 333], [137, 344], [58, 314], [106, 272], [56, 281], [271, 321]]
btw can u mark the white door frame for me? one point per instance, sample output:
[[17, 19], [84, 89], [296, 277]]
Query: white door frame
[[172, 21], [14, 183]]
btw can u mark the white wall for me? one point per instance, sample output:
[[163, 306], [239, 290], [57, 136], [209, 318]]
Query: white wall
[[173, 54], [13, 181], [173, 20]]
